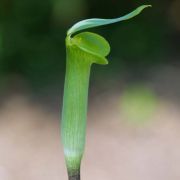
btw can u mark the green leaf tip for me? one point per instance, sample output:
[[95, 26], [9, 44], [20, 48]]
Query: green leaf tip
[[96, 22]]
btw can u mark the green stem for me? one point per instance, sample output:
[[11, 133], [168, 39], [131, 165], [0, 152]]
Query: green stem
[[73, 126]]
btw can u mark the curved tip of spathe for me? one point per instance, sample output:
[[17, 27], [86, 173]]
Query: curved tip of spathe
[[149, 5], [141, 8], [145, 6], [96, 22]]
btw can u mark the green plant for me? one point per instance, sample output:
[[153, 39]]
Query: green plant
[[83, 49]]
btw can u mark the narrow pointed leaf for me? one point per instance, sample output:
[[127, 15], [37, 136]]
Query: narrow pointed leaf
[[95, 22]]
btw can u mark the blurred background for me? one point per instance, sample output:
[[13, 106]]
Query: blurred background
[[134, 102]]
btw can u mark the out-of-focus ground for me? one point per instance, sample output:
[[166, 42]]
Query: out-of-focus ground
[[30, 147]]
